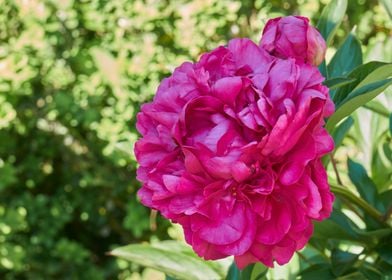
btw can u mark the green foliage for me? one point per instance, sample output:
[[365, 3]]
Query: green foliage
[[73, 75], [176, 261], [330, 19]]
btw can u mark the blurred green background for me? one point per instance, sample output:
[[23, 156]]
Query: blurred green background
[[72, 77]]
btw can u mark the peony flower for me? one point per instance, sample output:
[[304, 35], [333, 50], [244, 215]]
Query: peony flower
[[231, 149], [292, 36]]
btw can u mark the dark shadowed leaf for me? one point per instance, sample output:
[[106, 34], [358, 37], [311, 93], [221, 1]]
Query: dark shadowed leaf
[[317, 271], [385, 250], [370, 272], [342, 261], [390, 123]]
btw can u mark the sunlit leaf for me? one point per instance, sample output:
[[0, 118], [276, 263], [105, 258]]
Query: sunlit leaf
[[356, 99], [364, 74], [330, 19], [176, 264], [377, 107], [259, 272]]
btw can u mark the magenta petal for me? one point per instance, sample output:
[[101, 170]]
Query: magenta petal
[[226, 230], [284, 251], [227, 89], [273, 230], [240, 171]]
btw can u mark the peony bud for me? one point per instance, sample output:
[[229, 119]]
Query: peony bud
[[293, 37]]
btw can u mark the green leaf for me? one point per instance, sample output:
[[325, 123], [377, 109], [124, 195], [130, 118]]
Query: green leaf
[[341, 130], [362, 182], [234, 273], [388, 7], [175, 264], [386, 198], [371, 273], [346, 58], [251, 272], [317, 271], [356, 99], [323, 69], [377, 107], [331, 17], [337, 82], [259, 272], [247, 272], [390, 123], [381, 162], [342, 261], [364, 74], [338, 227], [385, 250]]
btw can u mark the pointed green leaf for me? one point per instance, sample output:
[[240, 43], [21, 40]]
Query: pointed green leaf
[[341, 130], [356, 99], [338, 227], [337, 82], [364, 185], [377, 107], [346, 58], [364, 74], [234, 273], [259, 272], [323, 69], [331, 17], [175, 264]]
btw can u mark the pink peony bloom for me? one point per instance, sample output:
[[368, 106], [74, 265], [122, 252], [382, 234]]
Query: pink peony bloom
[[231, 149], [292, 36]]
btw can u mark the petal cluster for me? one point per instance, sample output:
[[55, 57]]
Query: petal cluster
[[231, 149]]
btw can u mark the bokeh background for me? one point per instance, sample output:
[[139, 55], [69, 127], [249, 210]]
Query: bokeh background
[[73, 74]]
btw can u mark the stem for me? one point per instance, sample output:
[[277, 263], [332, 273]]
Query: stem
[[373, 212], [388, 214], [335, 169], [153, 220]]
